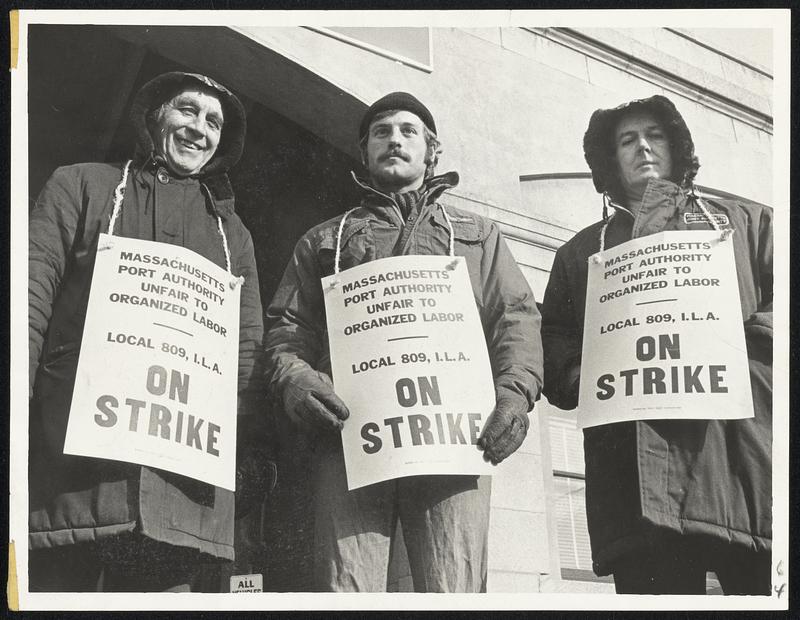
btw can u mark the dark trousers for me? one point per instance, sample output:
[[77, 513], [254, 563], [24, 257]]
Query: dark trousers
[[679, 567], [127, 563]]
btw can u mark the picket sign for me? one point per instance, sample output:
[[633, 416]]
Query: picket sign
[[157, 377], [663, 335], [409, 359]]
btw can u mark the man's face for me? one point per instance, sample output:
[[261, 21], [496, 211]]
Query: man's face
[[187, 130], [643, 152], [396, 152]]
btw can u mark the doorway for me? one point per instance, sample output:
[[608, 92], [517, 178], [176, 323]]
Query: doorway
[[81, 83]]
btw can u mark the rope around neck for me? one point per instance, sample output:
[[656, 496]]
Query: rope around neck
[[119, 194], [603, 232], [452, 233], [337, 259], [724, 233], [225, 245], [339, 243]]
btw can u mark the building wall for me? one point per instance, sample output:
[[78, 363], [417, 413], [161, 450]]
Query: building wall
[[514, 102], [511, 106]]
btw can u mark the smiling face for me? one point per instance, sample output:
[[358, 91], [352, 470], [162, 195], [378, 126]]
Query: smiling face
[[643, 153], [187, 130], [396, 152]]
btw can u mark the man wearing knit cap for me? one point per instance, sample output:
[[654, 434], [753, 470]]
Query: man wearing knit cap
[[113, 525], [668, 500], [444, 519]]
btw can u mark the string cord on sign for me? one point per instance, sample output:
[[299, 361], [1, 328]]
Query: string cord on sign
[[724, 233], [606, 221], [119, 195], [337, 258]]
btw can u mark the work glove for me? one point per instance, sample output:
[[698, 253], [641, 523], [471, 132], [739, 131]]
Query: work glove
[[506, 429], [311, 403], [758, 334]]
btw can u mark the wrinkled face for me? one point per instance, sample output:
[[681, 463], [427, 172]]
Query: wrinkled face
[[187, 130], [396, 152], [643, 152]]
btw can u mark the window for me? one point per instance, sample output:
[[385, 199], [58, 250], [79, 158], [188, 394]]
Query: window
[[566, 449], [569, 506]]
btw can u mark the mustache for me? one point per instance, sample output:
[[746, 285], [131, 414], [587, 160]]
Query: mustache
[[394, 153]]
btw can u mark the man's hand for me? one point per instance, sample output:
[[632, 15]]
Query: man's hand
[[505, 431], [311, 403]]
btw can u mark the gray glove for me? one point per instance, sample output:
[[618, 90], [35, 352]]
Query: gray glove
[[311, 403], [505, 431]]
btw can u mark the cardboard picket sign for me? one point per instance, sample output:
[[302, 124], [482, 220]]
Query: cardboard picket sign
[[409, 359], [157, 375], [663, 333]]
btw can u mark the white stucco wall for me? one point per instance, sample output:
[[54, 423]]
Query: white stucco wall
[[511, 106]]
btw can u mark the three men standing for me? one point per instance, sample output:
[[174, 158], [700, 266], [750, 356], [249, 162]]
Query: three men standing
[[444, 518], [666, 500]]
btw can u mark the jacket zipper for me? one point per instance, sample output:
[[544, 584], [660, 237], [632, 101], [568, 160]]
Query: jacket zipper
[[401, 247], [407, 228], [389, 198]]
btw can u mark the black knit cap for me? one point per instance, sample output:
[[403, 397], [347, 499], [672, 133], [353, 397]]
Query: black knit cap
[[396, 101], [165, 86], [599, 148]]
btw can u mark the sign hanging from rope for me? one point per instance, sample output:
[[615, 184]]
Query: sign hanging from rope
[[409, 359], [156, 382], [663, 333]]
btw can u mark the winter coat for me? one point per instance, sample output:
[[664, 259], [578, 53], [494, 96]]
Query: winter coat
[[711, 478], [297, 333], [75, 499]]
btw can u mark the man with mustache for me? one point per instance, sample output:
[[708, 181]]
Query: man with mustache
[[444, 518], [117, 526]]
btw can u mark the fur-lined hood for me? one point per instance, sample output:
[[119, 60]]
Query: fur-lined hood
[[167, 85], [598, 143]]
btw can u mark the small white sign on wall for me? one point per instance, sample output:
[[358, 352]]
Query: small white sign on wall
[[247, 583]]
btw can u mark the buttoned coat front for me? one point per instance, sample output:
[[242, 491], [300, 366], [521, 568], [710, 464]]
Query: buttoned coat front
[[76, 499]]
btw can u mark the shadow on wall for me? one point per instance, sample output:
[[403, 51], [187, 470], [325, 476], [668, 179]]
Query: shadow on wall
[[287, 181]]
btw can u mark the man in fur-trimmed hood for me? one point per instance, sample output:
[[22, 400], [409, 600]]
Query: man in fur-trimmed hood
[[668, 500]]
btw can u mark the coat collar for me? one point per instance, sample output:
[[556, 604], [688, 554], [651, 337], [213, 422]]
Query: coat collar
[[217, 188], [664, 207], [432, 188]]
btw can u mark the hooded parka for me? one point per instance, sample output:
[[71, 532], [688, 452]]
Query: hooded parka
[[705, 478], [76, 499]]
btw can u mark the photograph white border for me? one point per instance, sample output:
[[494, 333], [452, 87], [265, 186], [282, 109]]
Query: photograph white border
[[776, 20]]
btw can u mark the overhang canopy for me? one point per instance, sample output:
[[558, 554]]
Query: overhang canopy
[[260, 73]]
